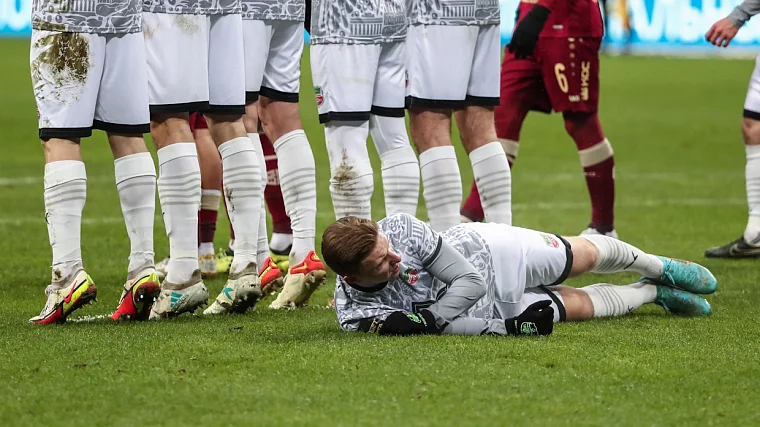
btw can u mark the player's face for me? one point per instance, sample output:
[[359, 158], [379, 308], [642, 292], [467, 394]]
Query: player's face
[[381, 265]]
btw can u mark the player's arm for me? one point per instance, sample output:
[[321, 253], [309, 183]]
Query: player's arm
[[465, 284], [722, 32]]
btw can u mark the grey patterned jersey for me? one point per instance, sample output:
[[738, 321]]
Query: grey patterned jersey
[[358, 21], [414, 289], [190, 7], [274, 10], [87, 16], [454, 12]]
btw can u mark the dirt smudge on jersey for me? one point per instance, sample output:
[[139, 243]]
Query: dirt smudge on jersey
[[186, 24], [343, 176]]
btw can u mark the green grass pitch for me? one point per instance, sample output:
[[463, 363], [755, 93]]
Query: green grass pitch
[[674, 125]]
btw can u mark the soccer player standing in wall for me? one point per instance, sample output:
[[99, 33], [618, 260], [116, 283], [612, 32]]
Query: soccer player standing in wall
[[453, 54], [88, 72], [552, 63]]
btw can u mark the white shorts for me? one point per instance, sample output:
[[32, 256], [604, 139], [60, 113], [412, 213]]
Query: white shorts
[[523, 259], [88, 81], [195, 63], [752, 101], [542, 293], [273, 52], [451, 67], [353, 81]]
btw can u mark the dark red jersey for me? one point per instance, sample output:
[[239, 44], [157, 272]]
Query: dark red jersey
[[568, 18]]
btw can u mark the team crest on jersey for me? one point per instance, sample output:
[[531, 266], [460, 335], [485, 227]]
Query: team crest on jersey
[[410, 276], [550, 240], [319, 96]]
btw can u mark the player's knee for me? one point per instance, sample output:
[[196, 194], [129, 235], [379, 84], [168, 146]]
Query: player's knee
[[585, 255], [476, 125], [575, 122], [578, 305], [168, 129], [251, 118], [430, 128], [751, 131], [278, 117]]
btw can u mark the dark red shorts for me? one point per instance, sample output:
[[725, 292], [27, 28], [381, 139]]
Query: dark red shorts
[[197, 121], [564, 76]]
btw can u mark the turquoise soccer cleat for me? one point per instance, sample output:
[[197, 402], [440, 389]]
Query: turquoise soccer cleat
[[687, 276], [680, 302]]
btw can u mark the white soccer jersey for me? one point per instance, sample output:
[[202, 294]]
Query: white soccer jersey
[[417, 244], [87, 16], [454, 12], [358, 21], [274, 10]]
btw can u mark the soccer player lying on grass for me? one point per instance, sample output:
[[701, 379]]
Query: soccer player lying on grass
[[399, 277]]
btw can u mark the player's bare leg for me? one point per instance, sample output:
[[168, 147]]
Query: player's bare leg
[[748, 244], [179, 191], [490, 166], [211, 195], [442, 183], [598, 164], [136, 184], [297, 171], [244, 201]]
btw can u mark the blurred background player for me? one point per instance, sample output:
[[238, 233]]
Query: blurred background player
[[453, 54], [88, 72], [552, 63], [617, 8], [358, 69], [721, 34], [273, 39]]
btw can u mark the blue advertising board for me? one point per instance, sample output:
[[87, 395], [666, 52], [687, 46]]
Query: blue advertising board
[[671, 27]]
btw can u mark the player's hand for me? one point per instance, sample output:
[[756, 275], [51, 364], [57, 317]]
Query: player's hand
[[537, 319], [721, 33], [403, 323], [526, 33]]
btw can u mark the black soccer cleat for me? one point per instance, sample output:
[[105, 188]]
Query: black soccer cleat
[[739, 248]]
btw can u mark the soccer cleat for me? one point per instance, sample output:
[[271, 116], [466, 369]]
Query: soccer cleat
[[176, 299], [223, 261], [281, 258], [241, 292], [207, 264], [270, 278], [62, 301], [300, 283], [686, 275], [138, 296], [739, 248], [162, 267], [680, 302], [591, 230]]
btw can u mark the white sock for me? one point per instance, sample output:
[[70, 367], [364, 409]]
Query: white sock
[[491, 170], [262, 246], [179, 191], [610, 300], [65, 193], [243, 192], [442, 185], [401, 181], [280, 241], [400, 168], [752, 177], [298, 181], [136, 183], [617, 256], [351, 178], [206, 248]]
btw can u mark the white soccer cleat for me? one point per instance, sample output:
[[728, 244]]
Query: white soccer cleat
[[241, 292], [176, 299], [300, 283], [162, 267], [612, 233], [77, 291]]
